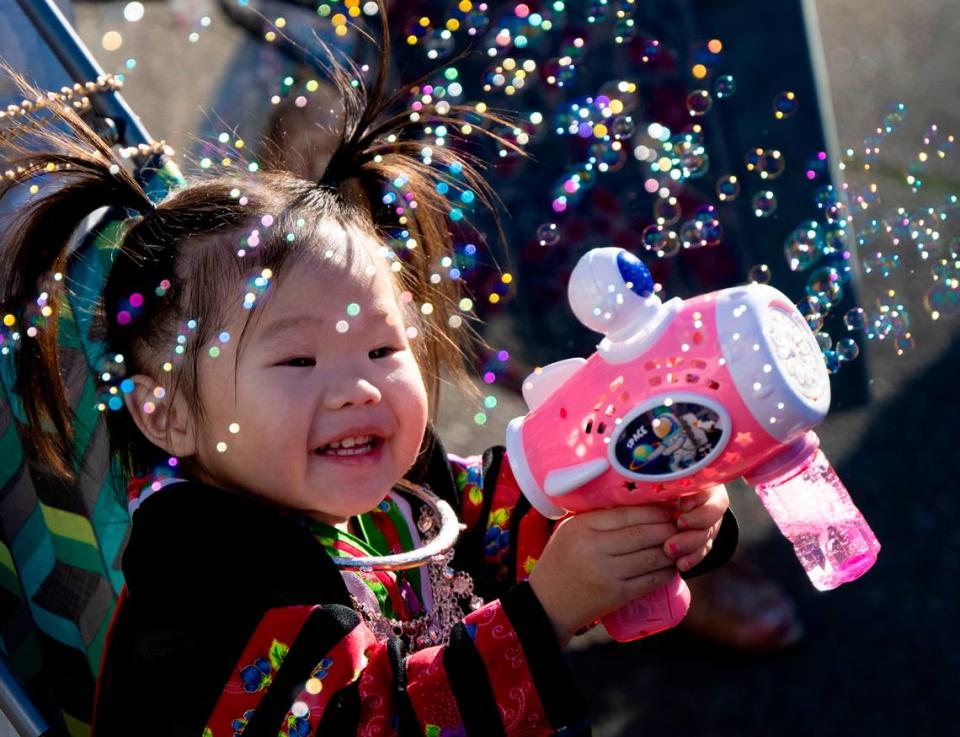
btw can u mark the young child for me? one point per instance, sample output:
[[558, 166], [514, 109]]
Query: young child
[[283, 360]]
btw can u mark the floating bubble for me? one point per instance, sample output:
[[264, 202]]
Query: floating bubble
[[699, 103], [855, 319], [895, 116], [752, 158], [771, 164], [667, 210], [812, 311], [711, 231], [684, 156], [759, 274], [826, 285], [847, 349], [133, 12], [904, 343], [785, 105], [622, 127], [111, 41], [942, 299], [724, 87], [548, 234], [691, 234], [823, 340], [661, 240], [883, 264], [728, 188], [832, 361], [803, 246], [834, 239], [764, 203]]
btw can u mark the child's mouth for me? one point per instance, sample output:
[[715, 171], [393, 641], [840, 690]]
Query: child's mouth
[[347, 447]]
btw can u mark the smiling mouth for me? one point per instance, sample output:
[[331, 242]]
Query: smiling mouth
[[347, 447]]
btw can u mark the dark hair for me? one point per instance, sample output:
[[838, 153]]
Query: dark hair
[[179, 256]]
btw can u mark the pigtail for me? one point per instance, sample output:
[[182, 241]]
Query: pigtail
[[378, 146], [69, 176]]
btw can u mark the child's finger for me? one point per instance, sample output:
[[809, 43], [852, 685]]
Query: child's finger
[[688, 503], [689, 561], [644, 584], [639, 562], [703, 516], [635, 537], [686, 543], [620, 517]]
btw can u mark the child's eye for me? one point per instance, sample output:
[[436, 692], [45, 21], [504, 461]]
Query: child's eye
[[383, 352], [299, 362]]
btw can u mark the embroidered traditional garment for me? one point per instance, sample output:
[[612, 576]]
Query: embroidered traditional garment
[[236, 622], [237, 608]]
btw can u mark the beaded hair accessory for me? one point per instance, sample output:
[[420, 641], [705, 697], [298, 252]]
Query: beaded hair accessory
[[76, 97], [24, 117]]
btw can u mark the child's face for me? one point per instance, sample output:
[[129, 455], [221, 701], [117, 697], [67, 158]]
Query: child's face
[[328, 404]]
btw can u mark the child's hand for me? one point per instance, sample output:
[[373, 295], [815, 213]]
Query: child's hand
[[698, 519], [596, 562]]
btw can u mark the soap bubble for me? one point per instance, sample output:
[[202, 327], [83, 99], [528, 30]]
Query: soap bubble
[[847, 349], [724, 87], [667, 210], [812, 311], [752, 158], [759, 274], [764, 203], [622, 127], [883, 264], [832, 361], [824, 341], [661, 240], [728, 188], [904, 343], [942, 299], [785, 105], [894, 117], [803, 246], [834, 239], [826, 285], [711, 231], [855, 319], [699, 103], [691, 234], [548, 234], [771, 164]]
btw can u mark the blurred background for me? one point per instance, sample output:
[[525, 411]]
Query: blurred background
[[807, 144]]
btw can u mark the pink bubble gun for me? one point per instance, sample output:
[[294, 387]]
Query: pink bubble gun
[[681, 396]]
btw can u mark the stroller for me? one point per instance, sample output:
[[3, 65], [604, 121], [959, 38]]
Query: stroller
[[60, 544]]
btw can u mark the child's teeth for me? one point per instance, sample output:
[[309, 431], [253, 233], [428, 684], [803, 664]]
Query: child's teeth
[[351, 443]]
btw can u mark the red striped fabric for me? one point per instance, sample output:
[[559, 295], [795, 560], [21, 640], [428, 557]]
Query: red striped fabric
[[521, 710], [254, 671], [343, 665], [429, 690], [377, 709]]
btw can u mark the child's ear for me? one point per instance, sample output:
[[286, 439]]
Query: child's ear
[[165, 420]]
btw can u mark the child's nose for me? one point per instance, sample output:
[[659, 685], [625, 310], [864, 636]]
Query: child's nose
[[351, 390]]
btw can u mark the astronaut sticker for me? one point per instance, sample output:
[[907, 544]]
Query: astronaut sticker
[[669, 439]]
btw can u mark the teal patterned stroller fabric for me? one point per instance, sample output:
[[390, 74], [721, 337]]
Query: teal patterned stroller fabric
[[61, 544]]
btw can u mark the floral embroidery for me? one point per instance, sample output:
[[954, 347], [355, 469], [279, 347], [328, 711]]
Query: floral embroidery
[[238, 725], [433, 730], [294, 726], [496, 542], [259, 674]]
